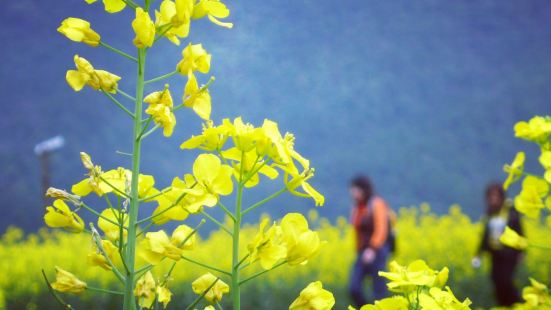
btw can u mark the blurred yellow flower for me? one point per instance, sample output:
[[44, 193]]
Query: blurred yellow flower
[[163, 295], [266, 246], [79, 30], [67, 282], [144, 28], [145, 290], [213, 9], [530, 200], [87, 75], [249, 164], [438, 299], [512, 239], [112, 230], [96, 258], [406, 279], [194, 58], [60, 216], [215, 293], [301, 242], [313, 297], [536, 295], [184, 10], [537, 129], [196, 98], [514, 170], [390, 303]]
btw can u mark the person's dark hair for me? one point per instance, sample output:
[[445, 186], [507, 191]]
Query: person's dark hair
[[494, 187], [364, 184]]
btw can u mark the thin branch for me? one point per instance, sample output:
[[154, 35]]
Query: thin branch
[[162, 77], [228, 212], [109, 47], [216, 222], [96, 213], [205, 265], [265, 200], [114, 188], [101, 290], [198, 299], [126, 95], [56, 296], [118, 103], [262, 272]]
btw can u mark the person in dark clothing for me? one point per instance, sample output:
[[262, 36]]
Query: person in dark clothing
[[499, 214], [370, 218]]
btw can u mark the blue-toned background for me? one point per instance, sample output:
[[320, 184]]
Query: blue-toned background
[[420, 95]]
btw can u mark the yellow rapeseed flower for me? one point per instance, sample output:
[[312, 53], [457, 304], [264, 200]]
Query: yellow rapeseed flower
[[514, 170], [60, 216], [407, 279], [301, 242], [157, 245], [144, 28], [145, 290], [87, 75], [79, 30], [96, 258], [194, 58], [215, 293], [163, 295], [512, 239], [197, 99], [313, 297], [213, 175], [167, 22], [160, 108], [266, 246], [212, 138], [530, 200], [537, 129], [67, 282], [213, 9], [111, 6], [112, 230]]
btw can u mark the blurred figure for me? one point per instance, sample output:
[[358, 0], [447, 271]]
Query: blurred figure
[[370, 218], [500, 213]]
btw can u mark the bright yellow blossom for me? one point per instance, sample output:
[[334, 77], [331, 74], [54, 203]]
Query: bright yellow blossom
[[300, 180], [214, 294], [537, 130], [145, 290], [67, 282], [536, 295], [213, 175], [79, 30], [213, 9], [157, 245], [301, 242], [196, 98], [96, 258], [313, 297], [249, 165], [87, 75], [212, 137], [60, 216], [163, 295], [438, 299], [166, 18], [111, 6], [160, 108], [111, 230], [144, 28], [406, 279], [512, 239], [194, 58], [266, 246], [184, 10], [514, 170], [390, 303]]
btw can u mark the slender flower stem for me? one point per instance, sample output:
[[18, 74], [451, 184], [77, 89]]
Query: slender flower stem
[[99, 245], [156, 195], [96, 213], [56, 296], [236, 294], [262, 272], [163, 211], [131, 4], [109, 47], [129, 300], [198, 299], [152, 130], [124, 94], [265, 200], [114, 187], [101, 290], [205, 265], [215, 221], [164, 29], [162, 77], [146, 126], [118, 103], [226, 210]]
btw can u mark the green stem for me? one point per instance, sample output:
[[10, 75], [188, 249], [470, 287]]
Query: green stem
[[129, 300], [124, 94], [236, 294], [265, 200], [97, 240], [52, 291], [165, 210], [205, 265], [114, 188], [131, 4], [262, 272], [101, 290], [215, 221], [226, 210], [122, 107], [198, 299], [162, 77], [149, 198], [152, 130], [109, 47]]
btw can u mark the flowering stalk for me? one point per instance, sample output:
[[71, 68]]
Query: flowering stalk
[[129, 302]]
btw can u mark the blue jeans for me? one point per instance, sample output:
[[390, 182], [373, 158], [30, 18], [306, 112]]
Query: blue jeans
[[360, 270]]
